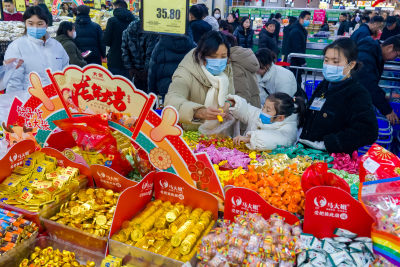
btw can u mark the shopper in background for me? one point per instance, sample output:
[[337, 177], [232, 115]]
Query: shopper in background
[[392, 28], [372, 28], [10, 13], [277, 20], [166, 56], [233, 21], [38, 51], [225, 27], [65, 12], [89, 36], [286, 31], [244, 33], [325, 26], [202, 75], [65, 35], [196, 23], [373, 55], [42, 5], [384, 15], [217, 14], [245, 66], [103, 7], [113, 37], [272, 78], [364, 19], [344, 25], [267, 38], [340, 117], [209, 19], [137, 47]]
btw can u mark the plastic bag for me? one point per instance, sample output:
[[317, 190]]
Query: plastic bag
[[95, 141], [7, 70], [214, 127], [317, 174], [379, 163]]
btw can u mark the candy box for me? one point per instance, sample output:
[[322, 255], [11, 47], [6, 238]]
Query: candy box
[[167, 187], [20, 155], [15, 256], [109, 181]]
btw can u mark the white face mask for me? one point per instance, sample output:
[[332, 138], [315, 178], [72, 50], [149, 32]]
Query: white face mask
[[217, 16], [74, 35]]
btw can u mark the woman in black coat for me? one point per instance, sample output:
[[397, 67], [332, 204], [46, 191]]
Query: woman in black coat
[[244, 34], [232, 20], [166, 56], [340, 117], [267, 38], [89, 36]]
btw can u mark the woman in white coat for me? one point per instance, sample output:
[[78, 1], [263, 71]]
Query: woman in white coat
[[272, 78], [38, 51], [274, 125]]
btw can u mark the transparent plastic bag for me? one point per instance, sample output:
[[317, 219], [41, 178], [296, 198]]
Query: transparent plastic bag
[[214, 127]]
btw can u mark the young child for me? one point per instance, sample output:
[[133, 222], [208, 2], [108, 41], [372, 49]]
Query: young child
[[275, 125]]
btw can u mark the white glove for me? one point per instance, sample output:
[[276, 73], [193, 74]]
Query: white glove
[[317, 145]]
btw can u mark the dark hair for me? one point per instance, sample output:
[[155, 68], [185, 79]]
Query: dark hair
[[349, 49], [231, 39], [209, 44], [343, 14], [120, 4], [304, 13], [233, 15], [278, 15], [269, 23], [35, 10], [271, 16], [216, 9], [286, 105], [377, 19], [103, 5], [292, 20], [223, 24], [265, 57], [366, 18], [64, 27], [243, 20], [9, 1], [196, 11], [205, 9], [393, 40], [83, 10]]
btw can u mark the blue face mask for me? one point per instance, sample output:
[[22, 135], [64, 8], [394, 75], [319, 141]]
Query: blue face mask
[[306, 23], [333, 73], [265, 118], [216, 65], [36, 32]]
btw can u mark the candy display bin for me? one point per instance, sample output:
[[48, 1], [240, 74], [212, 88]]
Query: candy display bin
[[133, 256], [82, 255], [18, 253], [75, 236]]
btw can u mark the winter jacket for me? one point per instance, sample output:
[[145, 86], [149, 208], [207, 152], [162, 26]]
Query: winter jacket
[[16, 16], [343, 27], [286, 31], [199, 28], [264, 136], [276, 80], [234, 25], [386, 33], [74, 54], [137, 46], [362, 32], [213, 22], [277, 29], [188, 90], [296, 43], [38, 56], [167, 55], [347, 119], [325, 27], [48, 14], [113, 36], [267, 40], [244, 39], [370, 55], [89, 36], [245, 65]]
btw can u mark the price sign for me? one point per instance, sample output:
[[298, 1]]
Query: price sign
[[165, 16], [97, 4], [20, 5]]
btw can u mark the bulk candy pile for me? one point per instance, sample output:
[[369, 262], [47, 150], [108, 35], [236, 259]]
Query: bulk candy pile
[[253, 241]]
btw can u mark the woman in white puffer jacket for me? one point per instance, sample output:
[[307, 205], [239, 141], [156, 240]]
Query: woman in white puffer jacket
[[274, 125]]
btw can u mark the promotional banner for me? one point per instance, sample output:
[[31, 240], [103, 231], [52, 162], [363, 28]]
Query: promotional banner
[[319, 16]]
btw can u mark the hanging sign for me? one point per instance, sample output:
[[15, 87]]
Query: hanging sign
[[20, 5], [165, 16]]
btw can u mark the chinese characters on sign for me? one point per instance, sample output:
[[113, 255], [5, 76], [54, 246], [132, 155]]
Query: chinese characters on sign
[[330, 209], [33, 118]]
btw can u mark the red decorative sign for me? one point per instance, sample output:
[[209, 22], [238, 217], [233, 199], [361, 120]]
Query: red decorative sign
[[107, 178], [319, 16], [240, 200], [328, 208]]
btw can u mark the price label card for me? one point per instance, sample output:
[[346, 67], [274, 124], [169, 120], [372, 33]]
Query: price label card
[[20, 5], [165, 16]]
